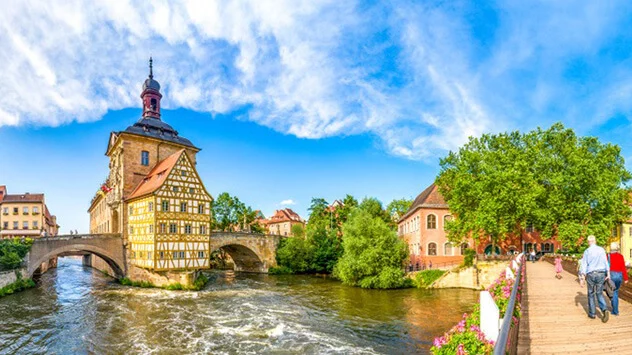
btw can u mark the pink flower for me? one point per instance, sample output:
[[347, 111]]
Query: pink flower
[[460, 350]]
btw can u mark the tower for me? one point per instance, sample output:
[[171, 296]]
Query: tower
[[153, 195]]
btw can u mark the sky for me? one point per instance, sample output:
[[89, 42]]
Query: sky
[[294, 99]]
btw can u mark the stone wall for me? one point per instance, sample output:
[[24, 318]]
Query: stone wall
[[95, 262], [488, 271], [9, 277], [162, 278]]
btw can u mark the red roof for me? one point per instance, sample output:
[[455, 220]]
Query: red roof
[[429, 198], [157, 176], [27, 197], [284, 215]]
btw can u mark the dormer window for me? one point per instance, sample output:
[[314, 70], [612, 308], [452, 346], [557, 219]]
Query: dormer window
[[144, 158]]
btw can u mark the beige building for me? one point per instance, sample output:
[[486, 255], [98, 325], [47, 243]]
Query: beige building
[[282, 221], [25, 215], [153, 195]]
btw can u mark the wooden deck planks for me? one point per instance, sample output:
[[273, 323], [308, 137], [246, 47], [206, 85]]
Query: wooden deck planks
[[555, 318]]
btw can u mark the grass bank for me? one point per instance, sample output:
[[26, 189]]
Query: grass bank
[[19, 285], [425, 278]]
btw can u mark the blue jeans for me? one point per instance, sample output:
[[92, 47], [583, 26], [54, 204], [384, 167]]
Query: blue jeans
[[595, 281], [617, 278]]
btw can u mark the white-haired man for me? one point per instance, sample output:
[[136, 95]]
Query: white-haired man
[[595, 266]]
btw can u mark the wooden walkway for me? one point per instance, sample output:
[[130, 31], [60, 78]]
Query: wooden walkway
[[555, 318]]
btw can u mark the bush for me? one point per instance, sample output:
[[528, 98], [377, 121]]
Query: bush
[[19, 285], [144, 284], [12, 252], [423, 279], [280, 270], [294, 254], [200, 282], [468, 260], [373, 254]]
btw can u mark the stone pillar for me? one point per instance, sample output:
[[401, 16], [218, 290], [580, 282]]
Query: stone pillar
[[87, 260]]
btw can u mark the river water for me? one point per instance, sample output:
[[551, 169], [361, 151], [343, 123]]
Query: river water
[[77, 310]]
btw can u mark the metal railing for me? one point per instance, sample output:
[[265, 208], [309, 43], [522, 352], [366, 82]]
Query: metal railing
[[501, 343]]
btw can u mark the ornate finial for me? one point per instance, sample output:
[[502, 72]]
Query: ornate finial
[[151, 69]]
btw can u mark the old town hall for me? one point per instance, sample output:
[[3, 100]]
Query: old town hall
[[154, 197]]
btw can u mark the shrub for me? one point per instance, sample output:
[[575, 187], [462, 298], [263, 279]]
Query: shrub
[[280, 270], [425, 278], [200, 282], [468, 260], [19, 285], [12, 252]]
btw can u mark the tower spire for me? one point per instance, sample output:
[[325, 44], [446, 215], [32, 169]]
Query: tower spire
[[151, 68]]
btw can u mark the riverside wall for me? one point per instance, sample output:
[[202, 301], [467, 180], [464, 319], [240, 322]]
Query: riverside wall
[[488, 271]]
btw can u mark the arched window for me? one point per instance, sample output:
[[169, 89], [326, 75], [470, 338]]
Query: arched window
[[463, 248], [446, 218], [431, 222], [432, 249], [154, 104], [489, 250], [447, 249]]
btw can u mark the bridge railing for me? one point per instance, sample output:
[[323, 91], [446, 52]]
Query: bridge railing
[[507, 341]]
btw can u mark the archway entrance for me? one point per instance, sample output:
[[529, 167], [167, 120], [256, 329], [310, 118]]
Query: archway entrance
[[243, 258]]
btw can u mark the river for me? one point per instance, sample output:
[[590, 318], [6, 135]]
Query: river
[[78, 310]]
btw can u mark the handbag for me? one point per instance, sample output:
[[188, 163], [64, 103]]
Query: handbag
[[609, 287]]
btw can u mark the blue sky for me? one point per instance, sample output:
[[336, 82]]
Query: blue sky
[[295, 99]]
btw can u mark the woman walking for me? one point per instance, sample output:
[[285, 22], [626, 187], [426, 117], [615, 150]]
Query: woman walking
[[558, 267], [618, 274]]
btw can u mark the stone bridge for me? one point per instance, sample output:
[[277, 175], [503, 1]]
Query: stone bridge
[[108, 247], [250, 252]]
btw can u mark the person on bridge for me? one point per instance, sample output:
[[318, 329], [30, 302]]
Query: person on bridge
[[618, 273], [558, 267], [595, 268]]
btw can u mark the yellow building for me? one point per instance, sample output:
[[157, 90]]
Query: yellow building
[[169, 218], [25, 215], [153, 195]]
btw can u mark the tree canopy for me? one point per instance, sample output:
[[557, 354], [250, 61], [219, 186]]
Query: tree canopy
[[229, 212], [564, 185], [373, 254]]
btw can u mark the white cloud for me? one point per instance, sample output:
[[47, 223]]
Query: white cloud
[[288, 202], [415, 76]]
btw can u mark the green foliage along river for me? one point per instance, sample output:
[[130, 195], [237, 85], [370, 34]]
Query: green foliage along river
[[77, 310]]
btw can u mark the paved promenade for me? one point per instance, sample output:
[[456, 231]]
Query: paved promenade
[[555, 319]]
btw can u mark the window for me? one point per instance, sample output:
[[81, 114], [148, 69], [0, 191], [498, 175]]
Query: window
[[200, 255], [183, 173], [173, 228], [144, 158], [187, 229], [15, 225], [463, 248], [153, 104], [131, 210], [202, 229], [175, 255], [34, 224], [25, 225], [163, 228], [191, 190], [25, 210], [35, 210], [6, 211], [183, 207], [131, 230], [447, 249], [5, 225], [614, 232], [151, 207], [446, 219], [181, 255], [431, 222], [15, 210], [165, 205], [148, 255], [175, 189], [161, 255], [432, 249], [201, 208], [151, 228], [529, 228]]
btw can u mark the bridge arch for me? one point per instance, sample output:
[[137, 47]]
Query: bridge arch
[[244, 258], [108, 247], [36, 263]]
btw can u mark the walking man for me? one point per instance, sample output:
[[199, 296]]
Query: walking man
[[594, 266]]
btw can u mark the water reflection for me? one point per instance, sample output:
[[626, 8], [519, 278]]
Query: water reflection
[[78, 310]]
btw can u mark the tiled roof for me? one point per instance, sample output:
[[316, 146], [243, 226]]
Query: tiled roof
[[430, 197], [155, 128], [157, 176], [24, 198], [284, 215]]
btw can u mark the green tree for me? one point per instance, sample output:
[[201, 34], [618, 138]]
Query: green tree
[[12, 252], [326, 249], [298, 231], [398, 207], [229, 213], [564, 185], [294, 255], [373, 254], [375, 208]]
